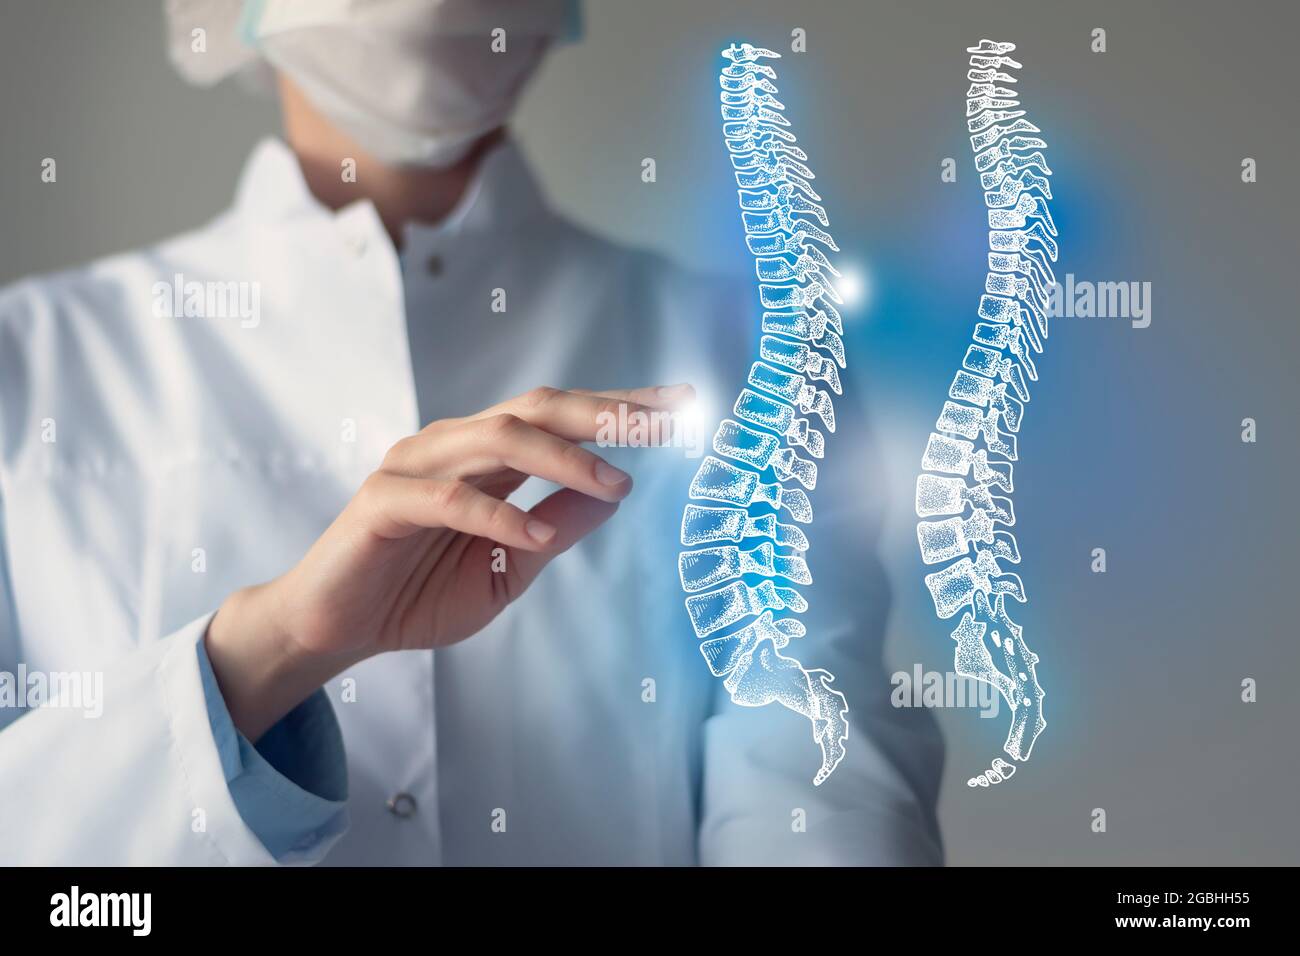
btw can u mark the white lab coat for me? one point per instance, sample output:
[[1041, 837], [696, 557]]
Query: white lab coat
[[151, 465]]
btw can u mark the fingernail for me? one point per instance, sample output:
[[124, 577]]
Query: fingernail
[[607, 474], [540, 531], [676, 391]]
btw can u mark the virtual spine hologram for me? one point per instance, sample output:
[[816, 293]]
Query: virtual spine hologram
[[975, 434], [765, 453]]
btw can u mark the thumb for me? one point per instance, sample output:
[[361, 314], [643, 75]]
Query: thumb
[[574, 516]]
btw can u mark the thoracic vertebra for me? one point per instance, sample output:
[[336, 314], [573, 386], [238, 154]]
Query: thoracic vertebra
[[1013, 311], [784, 223]]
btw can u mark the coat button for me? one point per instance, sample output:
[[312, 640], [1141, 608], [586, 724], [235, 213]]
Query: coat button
[[402, 805], [434, 266]]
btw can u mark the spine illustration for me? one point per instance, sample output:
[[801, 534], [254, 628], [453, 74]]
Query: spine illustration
[[967, 461], [745, 555]]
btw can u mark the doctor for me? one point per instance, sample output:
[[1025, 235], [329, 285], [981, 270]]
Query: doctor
[[285, 485]]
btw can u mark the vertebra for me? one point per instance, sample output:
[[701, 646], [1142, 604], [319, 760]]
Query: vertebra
[[785, 229], [1014, 312]]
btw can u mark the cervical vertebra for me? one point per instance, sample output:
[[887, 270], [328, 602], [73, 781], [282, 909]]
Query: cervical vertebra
[[1014, 310], [770, 441]]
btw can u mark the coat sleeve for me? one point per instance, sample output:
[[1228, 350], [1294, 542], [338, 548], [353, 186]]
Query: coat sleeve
[[759, 805], [144, 782]]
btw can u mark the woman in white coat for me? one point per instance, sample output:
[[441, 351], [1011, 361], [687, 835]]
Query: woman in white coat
[[271, 497]]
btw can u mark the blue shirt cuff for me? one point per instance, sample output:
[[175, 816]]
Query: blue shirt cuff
[[291, 788]]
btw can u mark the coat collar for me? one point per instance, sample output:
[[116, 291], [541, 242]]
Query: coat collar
[[503, 195]]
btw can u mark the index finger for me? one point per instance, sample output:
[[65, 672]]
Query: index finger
[[572, 415], [658, 396]]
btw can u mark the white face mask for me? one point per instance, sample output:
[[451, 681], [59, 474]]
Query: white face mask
[[414, 82]]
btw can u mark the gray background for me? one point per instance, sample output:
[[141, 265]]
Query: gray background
[[1132, 440]]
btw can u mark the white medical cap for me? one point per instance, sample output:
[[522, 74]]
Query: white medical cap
[[207, 39]]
